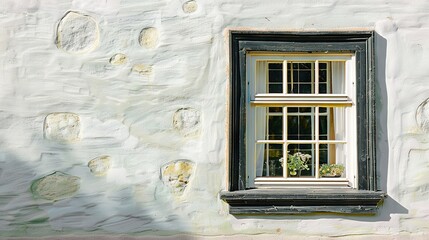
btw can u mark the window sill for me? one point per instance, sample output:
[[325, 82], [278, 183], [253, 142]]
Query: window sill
[[302, 201]]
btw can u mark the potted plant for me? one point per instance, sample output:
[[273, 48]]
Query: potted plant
[[296, 163], [331, 170]]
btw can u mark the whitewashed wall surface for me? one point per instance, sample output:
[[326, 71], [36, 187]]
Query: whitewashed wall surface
[[113, 117]]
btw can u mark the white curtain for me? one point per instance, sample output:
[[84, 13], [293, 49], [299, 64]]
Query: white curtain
[[260, 116], [338, 87]]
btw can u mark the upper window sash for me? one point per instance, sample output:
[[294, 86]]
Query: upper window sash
[[259, 73]]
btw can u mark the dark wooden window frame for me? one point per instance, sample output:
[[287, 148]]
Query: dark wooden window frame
[[365, 198]]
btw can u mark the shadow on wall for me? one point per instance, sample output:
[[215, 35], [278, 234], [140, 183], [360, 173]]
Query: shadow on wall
[[390, 206], [71, 199]]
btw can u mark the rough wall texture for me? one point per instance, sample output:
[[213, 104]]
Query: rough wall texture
[[107, 97]]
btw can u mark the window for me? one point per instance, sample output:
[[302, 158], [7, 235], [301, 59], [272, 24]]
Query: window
[[300, 107], [307, 96]]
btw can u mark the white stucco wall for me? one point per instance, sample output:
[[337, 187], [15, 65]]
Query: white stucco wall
[[67, 98]]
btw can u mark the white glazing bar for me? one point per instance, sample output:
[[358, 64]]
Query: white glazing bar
[[267, 163], [301, 184], [276, 56], [301, 141], [285, 77], [316, 120], [269, 141], [316, 77], [285, 155], [316, 154], [301, 179], [267, 146]]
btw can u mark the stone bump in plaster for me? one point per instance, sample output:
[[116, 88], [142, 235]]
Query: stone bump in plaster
[[176, 175], [118, 59], [422, 116], [187, 121], [77, 33], [149, 37], [55, 186], [62, 127], [99, 166], [142, 69], [386, 26], [190, 6]]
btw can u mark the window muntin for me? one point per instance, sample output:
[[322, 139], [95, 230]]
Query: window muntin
[[316, 95]]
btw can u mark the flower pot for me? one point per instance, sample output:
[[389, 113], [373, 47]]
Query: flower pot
[[297, 173], [331, 176]]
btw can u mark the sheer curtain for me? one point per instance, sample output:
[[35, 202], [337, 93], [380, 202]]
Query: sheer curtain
[[261, 116], [338, 114]]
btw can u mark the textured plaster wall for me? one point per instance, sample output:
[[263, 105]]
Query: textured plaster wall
[[113, 116]]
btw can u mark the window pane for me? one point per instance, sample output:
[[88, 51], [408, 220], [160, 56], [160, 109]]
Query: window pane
[[269, 162], [323, 127], [275, 109], [305, 88], [301, 160], [275, 127], [269, 123], [275, 88], [332, 160], [324, 78], [293, 127], [300, 77], [332, 123], [323, 88], [299, 109], [275, 77], [300, 123]]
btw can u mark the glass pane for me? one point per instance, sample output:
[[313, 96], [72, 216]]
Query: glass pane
[[300, 123], [275, 72], [299, 109], [322, 88], [300, 77], [300, 161], [324, 79], [332, 123], [275, 127], [305, 88], [270, 164], [275, 77], [332, 160], [269, 123], [275, 109], [275, 88], [324, 154], [323, 127]]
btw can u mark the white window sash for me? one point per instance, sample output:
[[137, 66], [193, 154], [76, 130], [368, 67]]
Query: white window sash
[[257, 66]]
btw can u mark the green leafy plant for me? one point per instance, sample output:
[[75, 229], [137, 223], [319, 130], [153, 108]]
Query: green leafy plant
[[331, 170], [296, 162]]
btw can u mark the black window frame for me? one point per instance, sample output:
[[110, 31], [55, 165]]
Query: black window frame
[[365, 198]]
